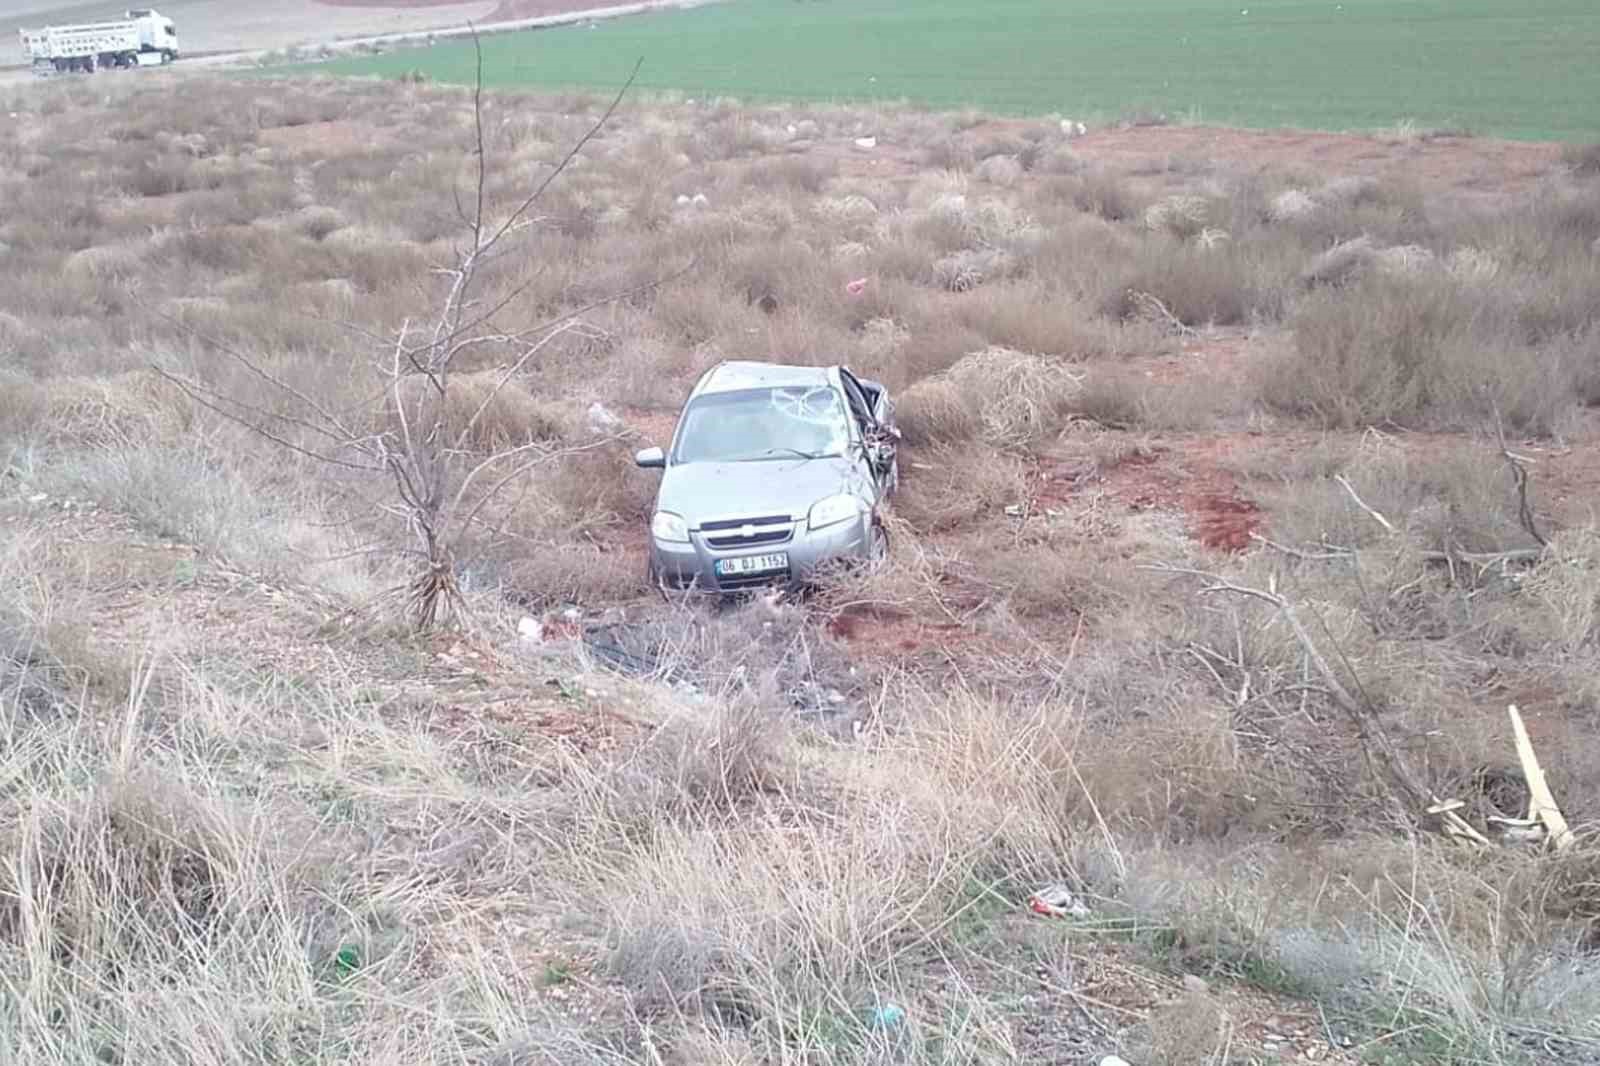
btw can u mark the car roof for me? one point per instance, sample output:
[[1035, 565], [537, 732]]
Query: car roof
[[748, 374]]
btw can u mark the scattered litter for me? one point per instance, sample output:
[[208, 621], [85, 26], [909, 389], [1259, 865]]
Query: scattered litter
[[601, 420], [530, 630], [866, 143], [683, 200], [1016, 510], [572, 614], [1114, 1060], [347, 960], [888, 1016], [699, 199], [1057, 901], [857, 287], [1073, 129]]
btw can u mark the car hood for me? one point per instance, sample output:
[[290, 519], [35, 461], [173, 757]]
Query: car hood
[[708, 492]]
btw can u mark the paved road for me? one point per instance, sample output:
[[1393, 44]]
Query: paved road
[[283, 29]]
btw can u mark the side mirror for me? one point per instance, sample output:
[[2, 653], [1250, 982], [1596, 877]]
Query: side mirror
[[651, 459]]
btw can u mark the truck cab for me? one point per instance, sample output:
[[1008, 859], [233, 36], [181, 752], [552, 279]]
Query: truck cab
[[157, 33]]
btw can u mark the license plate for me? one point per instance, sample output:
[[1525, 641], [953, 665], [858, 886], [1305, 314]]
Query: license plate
[[752, 564]]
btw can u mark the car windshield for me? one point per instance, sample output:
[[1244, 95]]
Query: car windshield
[[748, 425]]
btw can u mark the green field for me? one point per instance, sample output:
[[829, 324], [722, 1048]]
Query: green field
[[1513, 68]]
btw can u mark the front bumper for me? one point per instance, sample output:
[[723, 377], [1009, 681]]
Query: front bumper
[[693, 565]]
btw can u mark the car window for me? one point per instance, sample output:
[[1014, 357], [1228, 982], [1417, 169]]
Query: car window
[[858, 400], [748, 425]]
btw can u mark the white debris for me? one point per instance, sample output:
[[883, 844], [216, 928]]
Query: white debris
[[682, 200], [866, 144], [530, 630], [572, 614], [1290, 205], [700, 199], [601, 420], [1114, 1060]]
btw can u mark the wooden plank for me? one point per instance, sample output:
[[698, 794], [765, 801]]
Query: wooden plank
[[1542, 804]]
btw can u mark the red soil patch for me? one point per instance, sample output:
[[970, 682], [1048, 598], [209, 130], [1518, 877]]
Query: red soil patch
[[893, 635], [1185, 478], [1222, 522]]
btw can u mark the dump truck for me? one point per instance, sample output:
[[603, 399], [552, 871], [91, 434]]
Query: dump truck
[[141, 38]]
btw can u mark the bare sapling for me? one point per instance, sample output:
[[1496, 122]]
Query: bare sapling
[[418, 458]]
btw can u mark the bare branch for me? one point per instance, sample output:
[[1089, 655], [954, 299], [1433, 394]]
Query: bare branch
[[567, 159], [1519, 473], [260, 430], [1360, 712], [496, 488], [1344, 483], [1329, 553], [253, 368]]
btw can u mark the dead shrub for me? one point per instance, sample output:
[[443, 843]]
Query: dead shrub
[[1461, 500], [1183, 216], [546, 575], [600, 487], [969, 268], [1002, 170], [127, 409], [506, 414], [1341, 263], [1099, 192], [318, 221], [1001, 396], [1033, 318], [1198, 286], [1422, 352], [1112, 397], [1045, 576], [950, 153], [800, 172], [1582, 159], [171, 174], [945, 487]]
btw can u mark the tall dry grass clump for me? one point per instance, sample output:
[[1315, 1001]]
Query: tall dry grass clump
[[1422, 351], [1002, 397]]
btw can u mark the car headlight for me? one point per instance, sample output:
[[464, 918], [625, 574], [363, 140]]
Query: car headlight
[[833, 510], [669, 527]]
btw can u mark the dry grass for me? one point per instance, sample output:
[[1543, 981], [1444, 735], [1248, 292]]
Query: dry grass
[[999, 396], [242, 815], [1423, 351]]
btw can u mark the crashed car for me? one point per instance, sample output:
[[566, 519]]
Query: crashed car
[[773, 474]]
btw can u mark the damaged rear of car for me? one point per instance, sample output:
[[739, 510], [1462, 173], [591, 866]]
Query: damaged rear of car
[[773, 474]]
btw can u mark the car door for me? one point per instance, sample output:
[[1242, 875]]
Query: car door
[[877, 437]]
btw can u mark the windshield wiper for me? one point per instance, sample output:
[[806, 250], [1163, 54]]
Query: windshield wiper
[[796, 452]]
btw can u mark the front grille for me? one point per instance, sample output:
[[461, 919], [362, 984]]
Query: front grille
[[748, 532], [760, 537], [735, 523]]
